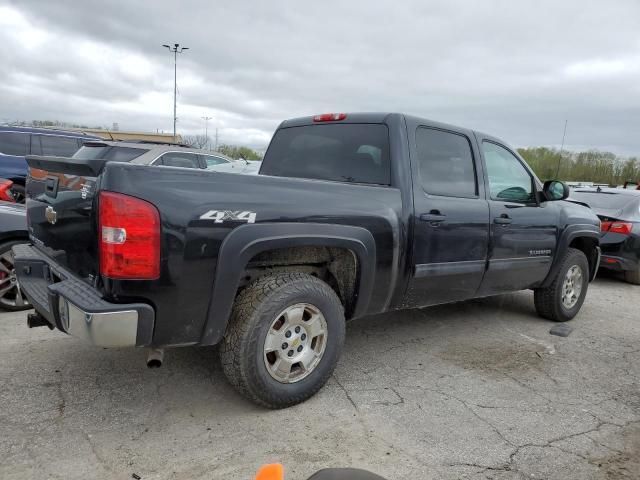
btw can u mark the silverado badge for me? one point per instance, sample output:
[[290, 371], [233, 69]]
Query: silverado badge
[[51, 215]]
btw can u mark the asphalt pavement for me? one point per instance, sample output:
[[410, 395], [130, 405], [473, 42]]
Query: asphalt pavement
[[474, 390]]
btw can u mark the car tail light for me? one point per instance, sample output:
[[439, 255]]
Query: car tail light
[[5, 190], [623, 228], [330, 117], [129, 230]]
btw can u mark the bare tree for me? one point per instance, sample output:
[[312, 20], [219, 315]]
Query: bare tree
[[196, 141]]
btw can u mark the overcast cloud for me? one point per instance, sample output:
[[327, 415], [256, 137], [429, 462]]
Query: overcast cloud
[[515, 69]]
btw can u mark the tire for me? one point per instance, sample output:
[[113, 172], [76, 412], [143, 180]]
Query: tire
[[11, 297], [263, 314], [19, 193], [549, 301], [632, 276]]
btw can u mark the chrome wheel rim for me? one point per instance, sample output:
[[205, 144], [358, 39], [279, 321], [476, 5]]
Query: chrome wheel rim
[[572, 287], [10, 292], [295, 343]]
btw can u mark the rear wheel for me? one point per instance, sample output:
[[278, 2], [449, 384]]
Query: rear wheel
[[562, 300], [284, 339], [11, 297], [633, 276]]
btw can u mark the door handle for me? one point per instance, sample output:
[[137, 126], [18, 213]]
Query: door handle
[[503, 220], [434, 216]]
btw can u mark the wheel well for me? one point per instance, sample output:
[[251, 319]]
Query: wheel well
[[338, 267], [587, 246]]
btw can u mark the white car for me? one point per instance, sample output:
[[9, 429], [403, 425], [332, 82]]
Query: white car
[[165, 155]]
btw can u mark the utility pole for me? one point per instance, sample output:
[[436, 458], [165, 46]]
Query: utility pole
[[206, 128], [176, 49], [216, 139], [562, 148]]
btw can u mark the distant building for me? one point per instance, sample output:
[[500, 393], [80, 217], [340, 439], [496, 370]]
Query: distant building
[[123, 135]]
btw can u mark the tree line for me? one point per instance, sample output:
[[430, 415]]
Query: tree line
[[588, 166]]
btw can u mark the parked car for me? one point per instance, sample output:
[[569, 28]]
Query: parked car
[[13, 231], [165, 155], [619, 211], [6, 191], [16, 142], [351, 215]]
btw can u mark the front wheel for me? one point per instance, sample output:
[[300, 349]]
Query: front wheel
[[284, 339], [562, 300]]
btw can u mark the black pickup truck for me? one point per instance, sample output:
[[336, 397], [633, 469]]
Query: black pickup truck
[[351, 215]]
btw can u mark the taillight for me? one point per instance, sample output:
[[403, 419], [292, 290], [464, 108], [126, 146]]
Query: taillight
[[5, 190], [129, 230], [330, 117], [623, 228]]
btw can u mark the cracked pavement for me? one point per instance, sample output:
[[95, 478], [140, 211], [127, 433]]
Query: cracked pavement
[[475, 390]]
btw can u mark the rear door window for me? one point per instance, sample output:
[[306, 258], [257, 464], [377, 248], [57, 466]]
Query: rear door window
[[212, 161], [179, 159], [59, 146], [108, 152], [14, 143], [446, 163], [356, 153]]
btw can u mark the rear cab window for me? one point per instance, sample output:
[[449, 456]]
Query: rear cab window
[[347, 152]]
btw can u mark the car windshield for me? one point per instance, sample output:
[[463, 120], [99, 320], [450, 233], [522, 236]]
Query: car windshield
[[608, 200], [109, 152]]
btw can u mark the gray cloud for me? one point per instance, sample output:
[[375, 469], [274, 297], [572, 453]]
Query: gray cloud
[[513, 69]]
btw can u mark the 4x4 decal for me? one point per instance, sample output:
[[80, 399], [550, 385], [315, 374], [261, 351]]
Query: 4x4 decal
[[221, 216]]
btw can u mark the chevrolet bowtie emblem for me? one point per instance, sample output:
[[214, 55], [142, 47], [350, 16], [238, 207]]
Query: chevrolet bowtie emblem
[[51, 215]]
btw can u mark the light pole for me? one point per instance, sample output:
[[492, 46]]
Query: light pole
[[176, 49], [206, 129]]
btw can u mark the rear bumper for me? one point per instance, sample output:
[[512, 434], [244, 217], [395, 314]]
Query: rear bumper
[[618, 264], [76, 308]]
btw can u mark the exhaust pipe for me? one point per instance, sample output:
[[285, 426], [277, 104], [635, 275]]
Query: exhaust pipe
[[155, 356]]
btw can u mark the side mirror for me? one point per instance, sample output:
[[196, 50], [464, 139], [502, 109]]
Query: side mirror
[[555, 190]]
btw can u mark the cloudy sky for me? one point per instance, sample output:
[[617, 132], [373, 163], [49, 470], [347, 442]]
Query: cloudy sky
[[516, 69]]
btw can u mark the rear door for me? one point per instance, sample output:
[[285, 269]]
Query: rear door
[[451, 222], [523, 231]]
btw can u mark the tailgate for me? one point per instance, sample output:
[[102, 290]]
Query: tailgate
[[60, 210]]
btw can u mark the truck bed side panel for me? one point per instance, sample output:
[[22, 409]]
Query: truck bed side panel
[[190, 244]]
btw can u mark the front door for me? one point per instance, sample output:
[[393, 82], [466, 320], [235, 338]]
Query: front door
[[523, 230], [451, 222]]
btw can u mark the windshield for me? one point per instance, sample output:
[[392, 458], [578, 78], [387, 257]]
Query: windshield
[[339, 152], [108, 152]]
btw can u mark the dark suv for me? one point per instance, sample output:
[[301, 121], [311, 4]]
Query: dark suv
[[16, 142]]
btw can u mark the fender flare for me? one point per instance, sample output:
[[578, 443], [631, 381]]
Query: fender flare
[[246, 241], [569, 235]]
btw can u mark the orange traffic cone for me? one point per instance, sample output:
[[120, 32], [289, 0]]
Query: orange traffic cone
[[273, 471]]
